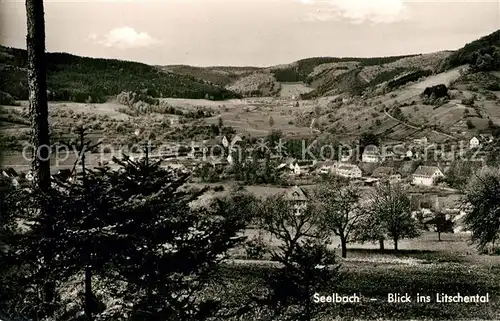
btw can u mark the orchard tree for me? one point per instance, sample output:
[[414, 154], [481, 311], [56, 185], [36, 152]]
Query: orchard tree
[[482, 203], [340, 210], [307, 265], [368, 139], [389, 216], [440, 224]]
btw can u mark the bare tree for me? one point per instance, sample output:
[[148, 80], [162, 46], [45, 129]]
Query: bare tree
[[340, 209]]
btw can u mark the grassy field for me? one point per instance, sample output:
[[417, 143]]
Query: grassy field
[[423, 265]]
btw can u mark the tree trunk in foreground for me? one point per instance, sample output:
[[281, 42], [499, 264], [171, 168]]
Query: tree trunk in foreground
[[38, 110], [381, 243], [37, 85], [343, 244]]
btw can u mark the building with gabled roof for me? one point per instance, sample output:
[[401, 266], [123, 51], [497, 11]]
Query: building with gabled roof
[[386, 173], [371, 154], [326, 167], [348, 171], [427, 175]]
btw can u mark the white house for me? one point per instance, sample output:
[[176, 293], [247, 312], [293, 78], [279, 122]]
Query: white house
[[421, 141], [349, 171], [371, 155], [295, 169], [474, 143], [327, 167], [426, 175]]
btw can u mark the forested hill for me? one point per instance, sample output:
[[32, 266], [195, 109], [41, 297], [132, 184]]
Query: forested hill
[[482, 54], [82, 79]]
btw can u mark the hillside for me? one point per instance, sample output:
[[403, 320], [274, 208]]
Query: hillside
[[335, 97], [80, 79], [221, 76], [357, 76], [476, 53], [258, 84]]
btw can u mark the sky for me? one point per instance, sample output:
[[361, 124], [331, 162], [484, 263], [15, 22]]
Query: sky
[[251, 32]]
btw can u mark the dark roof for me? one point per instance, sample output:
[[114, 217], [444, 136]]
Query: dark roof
[[295, 194], [426, 170], [348, 167], [328, 163], [371, 149], [383, 171]]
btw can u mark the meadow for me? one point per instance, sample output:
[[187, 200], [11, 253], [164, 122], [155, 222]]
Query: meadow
[[422, 265]]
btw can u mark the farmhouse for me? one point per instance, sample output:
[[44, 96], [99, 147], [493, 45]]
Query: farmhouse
[[327, 167], [421, 141], [295, 169], [298, 198], [475, 142], [349, 171], [371, 155], [426, 175], [386, 173]]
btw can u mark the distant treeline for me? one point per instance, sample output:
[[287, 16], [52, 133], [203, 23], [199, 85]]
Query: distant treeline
[[413, 76], [84, 79], [483, 54]]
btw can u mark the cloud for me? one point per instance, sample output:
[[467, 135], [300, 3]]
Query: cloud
[[124, 38], [359, 11]]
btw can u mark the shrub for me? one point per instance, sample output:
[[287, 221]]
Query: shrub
[[255, 248], [470, 125], [468, 101]]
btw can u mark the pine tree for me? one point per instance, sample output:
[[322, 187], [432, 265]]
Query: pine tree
[[168, 250]]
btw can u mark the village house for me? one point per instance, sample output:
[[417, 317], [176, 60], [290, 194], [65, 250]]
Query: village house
[[295, 169], [421, 141], [326, 167], [349, 171], [298, 199], [474, 143], [427, 175], [371, 155], [385, 173]]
